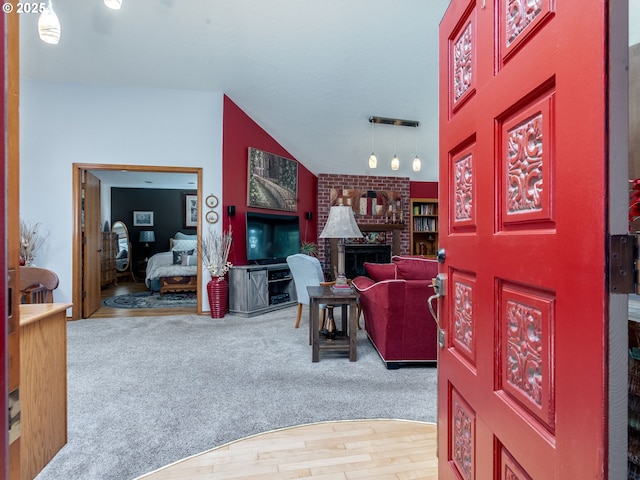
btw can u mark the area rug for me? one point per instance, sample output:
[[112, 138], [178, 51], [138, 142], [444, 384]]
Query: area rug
[[152, 300]]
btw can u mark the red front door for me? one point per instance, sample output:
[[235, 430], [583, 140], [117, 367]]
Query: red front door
[[523, 151]]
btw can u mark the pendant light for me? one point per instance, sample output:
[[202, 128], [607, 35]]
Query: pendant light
[[113, 4], [417, 164], [395, 161], [373, 161], [49, 26]]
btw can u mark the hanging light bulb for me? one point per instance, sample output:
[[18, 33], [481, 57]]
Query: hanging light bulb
[[416, 161], [49, 26], [113, 4], [373, 161], [395, 162]]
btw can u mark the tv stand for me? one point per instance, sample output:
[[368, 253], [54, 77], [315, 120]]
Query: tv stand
[[258, 289]]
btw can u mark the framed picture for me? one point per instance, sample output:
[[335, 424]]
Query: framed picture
[[273, 181], [190, 210], [143, 219]]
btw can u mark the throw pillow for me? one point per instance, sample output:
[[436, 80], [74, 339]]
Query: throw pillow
[[189, 260], [415, 268], [179, 254], [380, 271]]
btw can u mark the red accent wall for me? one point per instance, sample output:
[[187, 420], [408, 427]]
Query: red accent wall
[[239, 132], [423, 189]]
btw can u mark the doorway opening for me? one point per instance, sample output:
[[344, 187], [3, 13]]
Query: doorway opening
[[79, 273]]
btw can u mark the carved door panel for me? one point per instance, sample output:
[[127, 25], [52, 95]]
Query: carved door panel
[[522, 390]]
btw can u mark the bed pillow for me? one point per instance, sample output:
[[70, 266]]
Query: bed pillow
[[183, 245], [184, 236], [178, 256]]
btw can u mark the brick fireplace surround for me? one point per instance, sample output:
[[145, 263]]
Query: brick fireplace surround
[[326, 182]]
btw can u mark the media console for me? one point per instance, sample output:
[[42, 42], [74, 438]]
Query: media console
[[257, 289]]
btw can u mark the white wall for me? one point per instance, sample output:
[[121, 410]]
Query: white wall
[[63, 123]]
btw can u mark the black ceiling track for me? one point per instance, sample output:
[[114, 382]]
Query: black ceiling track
[[394, 121]]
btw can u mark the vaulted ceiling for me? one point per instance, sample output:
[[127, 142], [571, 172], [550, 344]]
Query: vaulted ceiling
[[310, 73]]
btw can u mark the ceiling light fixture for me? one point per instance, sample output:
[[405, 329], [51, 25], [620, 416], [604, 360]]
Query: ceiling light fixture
[[49, 26], [373, 161], [113, 4], [395, 162], [417, 164]]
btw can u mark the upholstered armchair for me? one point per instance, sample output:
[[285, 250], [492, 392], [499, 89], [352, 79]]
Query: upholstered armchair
[[306, 272], [397, 319]]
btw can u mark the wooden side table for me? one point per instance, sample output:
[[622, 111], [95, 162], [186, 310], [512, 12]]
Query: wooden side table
[[348, 298]]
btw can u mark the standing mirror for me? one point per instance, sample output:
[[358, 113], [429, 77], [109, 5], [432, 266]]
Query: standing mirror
[[123, 257]]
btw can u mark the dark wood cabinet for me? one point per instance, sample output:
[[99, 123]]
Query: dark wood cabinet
[[108, 252]]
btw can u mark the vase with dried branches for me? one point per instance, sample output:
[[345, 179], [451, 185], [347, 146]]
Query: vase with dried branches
[[214, 252], [31, 239]]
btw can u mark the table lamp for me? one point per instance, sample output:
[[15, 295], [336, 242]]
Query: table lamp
[[147, 237], [341, 224]]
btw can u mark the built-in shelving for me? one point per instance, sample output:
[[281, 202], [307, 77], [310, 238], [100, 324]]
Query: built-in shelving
[[424, 227]]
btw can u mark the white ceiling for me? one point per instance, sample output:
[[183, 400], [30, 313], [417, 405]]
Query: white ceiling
[[310, 72]]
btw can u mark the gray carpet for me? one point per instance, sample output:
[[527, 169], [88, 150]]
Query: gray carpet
[[147, 391]]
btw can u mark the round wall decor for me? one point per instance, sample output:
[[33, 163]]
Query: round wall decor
[[212, 217], [211, 201]]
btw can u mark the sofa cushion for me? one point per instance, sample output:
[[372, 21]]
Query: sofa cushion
[[415, 268], [380, 271]]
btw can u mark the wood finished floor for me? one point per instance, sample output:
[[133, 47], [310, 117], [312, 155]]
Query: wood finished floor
[[124, 286], [345, 450]]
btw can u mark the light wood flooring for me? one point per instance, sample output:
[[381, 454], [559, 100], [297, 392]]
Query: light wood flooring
[[126, 285], [369, 449]]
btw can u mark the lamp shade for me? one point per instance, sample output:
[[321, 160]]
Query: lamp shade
[[341, 224], [113, 4], [147, 236], [49, 25]]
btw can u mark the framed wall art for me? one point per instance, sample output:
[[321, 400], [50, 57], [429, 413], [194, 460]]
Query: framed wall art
[[142, 219], [273, 181], [190, 210]]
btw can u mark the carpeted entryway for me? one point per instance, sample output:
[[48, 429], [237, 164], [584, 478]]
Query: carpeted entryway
[[144, 392], [152, 300]]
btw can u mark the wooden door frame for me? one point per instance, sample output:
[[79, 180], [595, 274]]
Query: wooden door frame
[[76, 254], [618, 174]]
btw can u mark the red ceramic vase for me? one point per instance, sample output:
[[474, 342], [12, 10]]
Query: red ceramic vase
[[218, 289]]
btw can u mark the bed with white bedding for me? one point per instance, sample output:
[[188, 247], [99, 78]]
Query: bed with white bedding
[[175, 270]]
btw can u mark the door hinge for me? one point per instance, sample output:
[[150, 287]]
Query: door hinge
[[623, 259]]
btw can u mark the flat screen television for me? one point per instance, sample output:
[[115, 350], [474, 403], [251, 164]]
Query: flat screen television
[[271, 238]]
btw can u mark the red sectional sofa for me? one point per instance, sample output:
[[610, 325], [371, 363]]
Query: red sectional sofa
[[398, 322]]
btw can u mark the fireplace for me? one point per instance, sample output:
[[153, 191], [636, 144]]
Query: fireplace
[[356, 254]]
